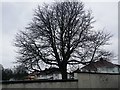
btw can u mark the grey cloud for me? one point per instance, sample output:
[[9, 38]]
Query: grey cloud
[[16, 16]]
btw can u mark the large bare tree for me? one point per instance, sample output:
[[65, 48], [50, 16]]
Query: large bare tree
[[59, 35]]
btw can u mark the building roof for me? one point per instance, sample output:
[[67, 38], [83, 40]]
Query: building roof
[[117, 65], [101, 63]]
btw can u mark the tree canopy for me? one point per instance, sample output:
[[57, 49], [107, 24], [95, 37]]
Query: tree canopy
[[16, 73], [59, 35]]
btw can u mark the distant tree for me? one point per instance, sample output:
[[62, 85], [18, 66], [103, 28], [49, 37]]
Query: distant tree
[[7, 74], [1, 68], [61, 34], [20, 72]]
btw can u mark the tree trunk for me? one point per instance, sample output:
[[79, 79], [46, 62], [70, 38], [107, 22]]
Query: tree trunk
[[64, 75], [63, 70]]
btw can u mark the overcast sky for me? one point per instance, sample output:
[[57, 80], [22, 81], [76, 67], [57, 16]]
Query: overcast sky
[[17, 15]]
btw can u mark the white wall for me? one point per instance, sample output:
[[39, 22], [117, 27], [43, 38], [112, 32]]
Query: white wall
[[97, 80], [55, 84], [108, 70], [85, 80]]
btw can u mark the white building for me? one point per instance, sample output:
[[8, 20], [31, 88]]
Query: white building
[[50, 73], [101, 66]]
